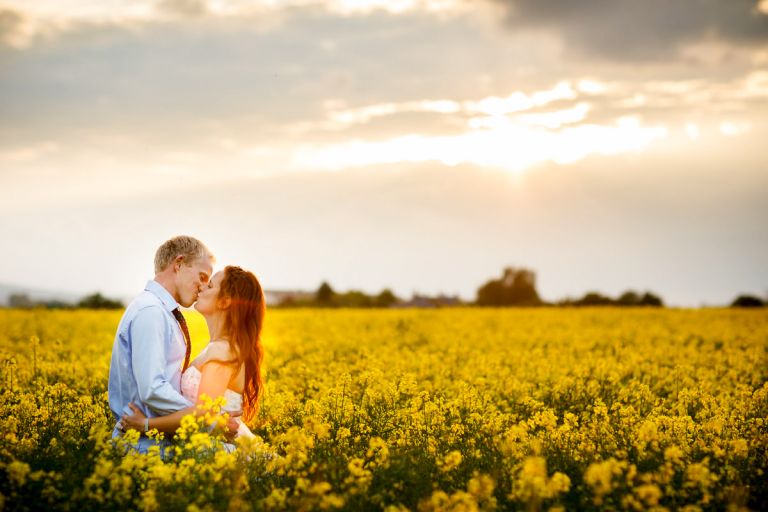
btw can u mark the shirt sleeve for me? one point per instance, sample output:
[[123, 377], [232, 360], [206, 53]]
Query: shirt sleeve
[[148, 358]]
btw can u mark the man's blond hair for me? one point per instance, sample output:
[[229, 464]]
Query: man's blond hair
[[191, 248]]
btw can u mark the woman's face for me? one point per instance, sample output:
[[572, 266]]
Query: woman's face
[[208, 298]]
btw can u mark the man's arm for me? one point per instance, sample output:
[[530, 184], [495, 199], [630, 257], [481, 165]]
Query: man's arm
[[213, 383], [168, 424], [149, 358]]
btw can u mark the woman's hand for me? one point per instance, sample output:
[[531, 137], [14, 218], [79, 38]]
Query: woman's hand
[[233, 426], [135, 421]]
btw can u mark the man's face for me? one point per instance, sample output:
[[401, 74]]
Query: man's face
[[190, 280]]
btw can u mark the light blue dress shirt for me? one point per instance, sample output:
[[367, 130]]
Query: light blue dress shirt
[[147, 358]]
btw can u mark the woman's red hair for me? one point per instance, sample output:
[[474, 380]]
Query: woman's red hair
[[243, 322]]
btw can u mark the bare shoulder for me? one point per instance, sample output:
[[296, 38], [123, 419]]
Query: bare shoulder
[[219, 351]]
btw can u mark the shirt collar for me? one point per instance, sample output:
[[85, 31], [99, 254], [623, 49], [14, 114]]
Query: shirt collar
[[155, 288]]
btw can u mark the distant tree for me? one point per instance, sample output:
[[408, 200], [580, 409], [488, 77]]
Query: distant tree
[[385, 299], [628, 298], [354, 299], [325, 295], [57, 304], [98, 301], [594, 299], [649, 299], [491, 294], [20, 300], [517, 287], [747, 301]]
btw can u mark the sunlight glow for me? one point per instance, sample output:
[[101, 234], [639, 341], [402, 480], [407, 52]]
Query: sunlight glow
[[755, 85], [558, 118], [63, 11], [391, 6], [365, 114], [552, 120], [518, 101], [588, 86], [734, 129], [675, 87], [46, 17], [693, 131], [634, 101], [501, 132], [512, 147]]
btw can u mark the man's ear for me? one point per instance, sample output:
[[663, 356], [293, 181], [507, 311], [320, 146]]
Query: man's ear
[[178, 261], [224, 302]]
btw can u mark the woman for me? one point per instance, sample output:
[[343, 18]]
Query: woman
[[230, 365]]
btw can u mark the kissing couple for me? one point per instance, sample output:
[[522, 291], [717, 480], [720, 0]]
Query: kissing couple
[[152, 382]]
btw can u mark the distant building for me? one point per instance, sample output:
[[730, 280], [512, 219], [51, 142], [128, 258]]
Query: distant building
[[424, 301]]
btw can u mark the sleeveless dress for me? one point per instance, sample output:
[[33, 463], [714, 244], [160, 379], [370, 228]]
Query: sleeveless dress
[[190, 383]]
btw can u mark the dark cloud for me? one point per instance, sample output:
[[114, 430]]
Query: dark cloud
[[646, 30], [219, 75]]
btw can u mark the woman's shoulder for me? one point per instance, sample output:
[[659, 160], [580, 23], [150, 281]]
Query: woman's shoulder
[[219, 350]]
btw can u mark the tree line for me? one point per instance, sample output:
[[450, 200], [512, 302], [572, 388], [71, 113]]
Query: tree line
[[516, 287], [93, 301]]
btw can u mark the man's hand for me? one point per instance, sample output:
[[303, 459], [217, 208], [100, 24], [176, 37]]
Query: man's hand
[[135, 421]]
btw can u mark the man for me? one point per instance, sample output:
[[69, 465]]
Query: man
[[152, 345]]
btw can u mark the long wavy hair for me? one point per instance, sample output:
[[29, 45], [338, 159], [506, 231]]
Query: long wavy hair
[[243, 321]]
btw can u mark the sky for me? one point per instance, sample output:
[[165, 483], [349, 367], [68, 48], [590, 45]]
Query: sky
[[420, 145]]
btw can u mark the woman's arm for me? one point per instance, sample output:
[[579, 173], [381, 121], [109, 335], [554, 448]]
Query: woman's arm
[[215, 377], [168, 423]]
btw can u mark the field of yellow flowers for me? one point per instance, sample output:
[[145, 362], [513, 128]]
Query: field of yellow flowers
[[454, 409]]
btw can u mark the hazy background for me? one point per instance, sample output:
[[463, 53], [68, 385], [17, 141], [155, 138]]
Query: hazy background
[[413, 144]]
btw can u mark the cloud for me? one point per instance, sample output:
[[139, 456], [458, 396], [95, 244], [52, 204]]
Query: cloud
[[228, 78], [566, 102], [647, 30], [12, 24], [492, 105], [185, 8], [131, 11], [334, 87], [511, 144]]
